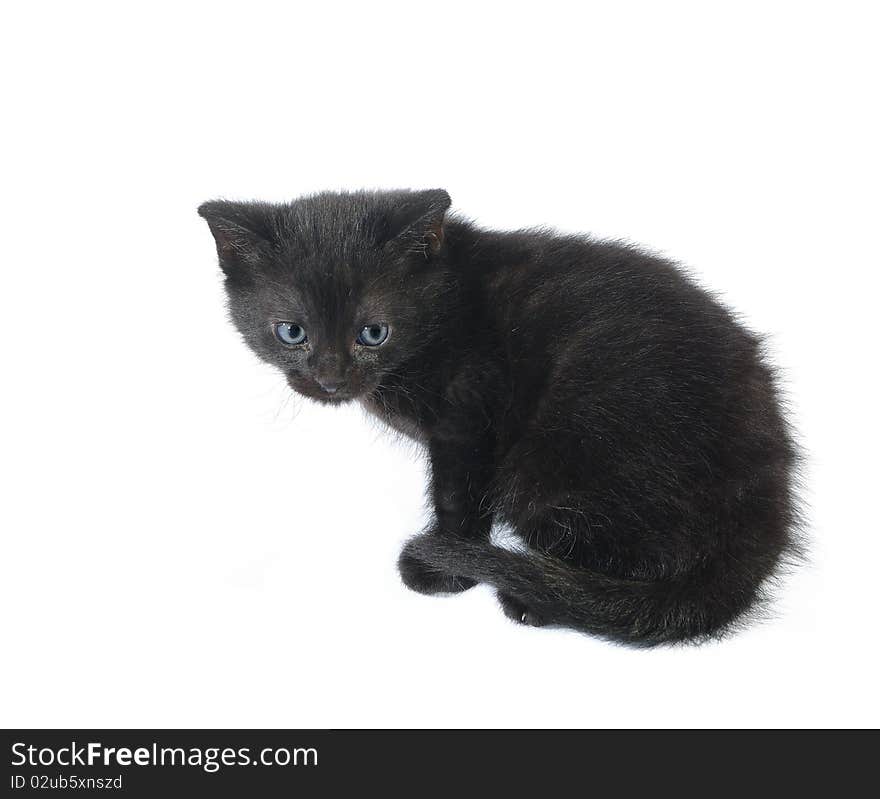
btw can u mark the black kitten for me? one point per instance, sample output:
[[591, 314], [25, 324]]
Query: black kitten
[[584, 393]]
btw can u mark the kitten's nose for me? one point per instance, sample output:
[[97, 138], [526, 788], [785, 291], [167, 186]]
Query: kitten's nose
[[329, 385]]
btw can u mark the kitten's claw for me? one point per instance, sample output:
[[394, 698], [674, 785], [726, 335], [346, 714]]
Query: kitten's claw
[[516, 610]]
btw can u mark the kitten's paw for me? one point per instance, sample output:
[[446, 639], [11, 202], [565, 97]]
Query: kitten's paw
[[516, 610], [425, 579]]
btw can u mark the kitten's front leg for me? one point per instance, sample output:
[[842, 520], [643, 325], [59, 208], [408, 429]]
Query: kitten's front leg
[[461, 471]]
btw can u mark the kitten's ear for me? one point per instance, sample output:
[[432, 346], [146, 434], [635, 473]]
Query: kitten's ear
[[241, 231], [417, 221]]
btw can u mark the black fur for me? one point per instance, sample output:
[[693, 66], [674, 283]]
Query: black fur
[[585, 393]]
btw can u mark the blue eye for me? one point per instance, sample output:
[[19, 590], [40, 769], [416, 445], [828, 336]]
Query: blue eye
[[373, 335], [290, 333]]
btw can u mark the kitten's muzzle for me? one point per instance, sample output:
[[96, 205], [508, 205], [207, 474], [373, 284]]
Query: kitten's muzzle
[[330, 386], [330, 389]]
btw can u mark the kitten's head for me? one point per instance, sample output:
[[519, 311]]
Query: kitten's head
[[334, 289]]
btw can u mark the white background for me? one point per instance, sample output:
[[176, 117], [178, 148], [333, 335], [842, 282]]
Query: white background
[[184, 543]]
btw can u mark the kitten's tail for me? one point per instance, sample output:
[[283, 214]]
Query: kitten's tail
[[699, 605]]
